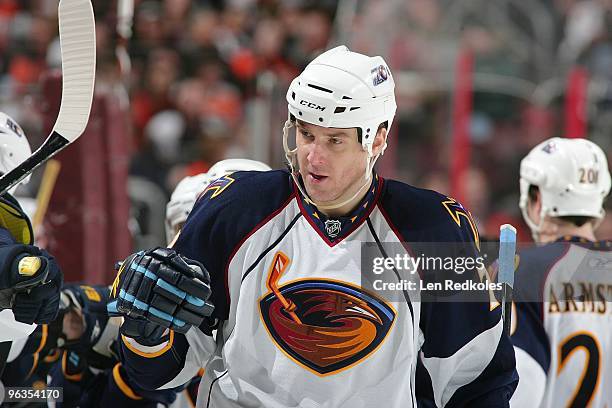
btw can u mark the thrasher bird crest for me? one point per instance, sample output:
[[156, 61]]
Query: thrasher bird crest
[[323, 325]]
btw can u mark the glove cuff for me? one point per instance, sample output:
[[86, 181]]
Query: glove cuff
[[144, 332], [149, 350]]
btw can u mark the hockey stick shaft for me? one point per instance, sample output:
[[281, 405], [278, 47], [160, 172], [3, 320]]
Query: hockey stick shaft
[[507, 308], [78, 50], [507, 251], [52, 145]]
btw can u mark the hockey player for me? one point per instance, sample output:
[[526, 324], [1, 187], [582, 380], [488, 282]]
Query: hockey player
[[30, 280], [78, 353], [81, 332], [294, 325], [562, 330]]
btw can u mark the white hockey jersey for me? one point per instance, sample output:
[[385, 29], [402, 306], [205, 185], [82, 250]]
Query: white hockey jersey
[[562, 332], [11, 329], [296, 326]]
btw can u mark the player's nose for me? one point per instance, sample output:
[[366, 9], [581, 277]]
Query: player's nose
[[316, 154]]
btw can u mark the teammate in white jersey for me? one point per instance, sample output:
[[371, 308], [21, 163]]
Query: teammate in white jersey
[[562, 320], [189, 189], [30, 280], [278, 255]]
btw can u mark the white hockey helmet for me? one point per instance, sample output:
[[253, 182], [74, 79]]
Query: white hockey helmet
[[188, 189], [14, 146], [228, 166], [182, 200], [572, 176]]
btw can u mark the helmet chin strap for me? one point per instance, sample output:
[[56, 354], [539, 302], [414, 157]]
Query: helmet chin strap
[[538, 229], [535, 229], [291, 156]]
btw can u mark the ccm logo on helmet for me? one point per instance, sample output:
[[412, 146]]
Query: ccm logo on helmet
[[312, 105]]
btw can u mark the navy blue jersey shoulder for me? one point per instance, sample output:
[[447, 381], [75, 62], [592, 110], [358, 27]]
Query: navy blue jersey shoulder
[[534, 265], [535, 262], [224, 215], [431, 224], [424, 216], [421, 215], [437, 226]]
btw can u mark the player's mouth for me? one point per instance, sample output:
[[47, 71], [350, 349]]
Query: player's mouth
[[316, 178]]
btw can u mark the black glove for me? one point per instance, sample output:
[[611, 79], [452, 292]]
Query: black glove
[[21, 266], [30, 283], [158, 290]]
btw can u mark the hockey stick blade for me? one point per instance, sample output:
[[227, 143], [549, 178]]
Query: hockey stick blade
[[507, 251], [78, 50]]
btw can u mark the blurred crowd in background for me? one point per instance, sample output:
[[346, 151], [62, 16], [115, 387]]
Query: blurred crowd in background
[[208, 80]]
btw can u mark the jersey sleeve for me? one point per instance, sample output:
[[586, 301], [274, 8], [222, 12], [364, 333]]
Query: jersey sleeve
[[108, 388], [529, 337], [119, 391], [532, 381], [222, 218], [465, 359], [532, 352]]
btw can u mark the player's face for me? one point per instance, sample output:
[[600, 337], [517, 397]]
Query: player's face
[[73, 325], [332, 162]]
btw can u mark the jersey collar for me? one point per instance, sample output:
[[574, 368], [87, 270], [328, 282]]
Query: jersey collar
[[603, 244], [335, 229]]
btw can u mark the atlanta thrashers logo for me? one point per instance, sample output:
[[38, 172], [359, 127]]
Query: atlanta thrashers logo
[[323, 325]]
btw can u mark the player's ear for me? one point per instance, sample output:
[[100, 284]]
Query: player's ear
[[538, 202], [535, 198], [379, 140]]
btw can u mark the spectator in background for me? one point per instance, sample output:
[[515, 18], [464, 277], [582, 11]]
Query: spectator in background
[[162, 148], [147, 32], [199, 42], [313, 32], [175, 13], [477, 191], [153, 95]]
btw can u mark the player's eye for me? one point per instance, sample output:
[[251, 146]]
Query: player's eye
[[335, 140], [305, 134]]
